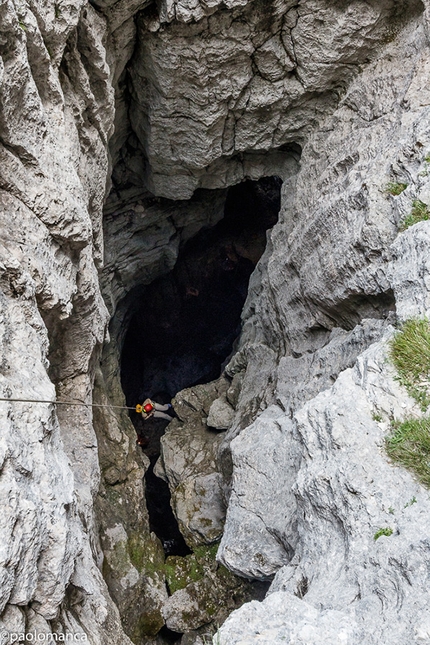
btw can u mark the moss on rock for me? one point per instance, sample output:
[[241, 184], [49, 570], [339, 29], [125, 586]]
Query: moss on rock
[[146, 554], [181, 571]]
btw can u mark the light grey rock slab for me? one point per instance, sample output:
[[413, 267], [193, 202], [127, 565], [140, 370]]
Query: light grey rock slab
[[410, 271], [221, 414], [299, 379], [292, 620], [188, 462], [198, 504], [159, 470], [257, 540], [346, 490]]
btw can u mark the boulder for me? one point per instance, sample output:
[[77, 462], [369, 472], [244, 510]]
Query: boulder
[[221, 414]]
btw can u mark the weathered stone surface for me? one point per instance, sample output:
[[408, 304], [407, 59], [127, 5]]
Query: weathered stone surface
[[336, 507], [188, 462], [409, 272], [55, 118], [221, 414], [256, 542], [326, 263], [199, 507], [203, 593], [219, 92], [192, 607], [331, 501], [300, 378], [340, 487], [292, 620], [246, 80]]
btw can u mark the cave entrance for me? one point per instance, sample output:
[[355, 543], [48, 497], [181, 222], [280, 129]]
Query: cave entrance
[[184, 325]]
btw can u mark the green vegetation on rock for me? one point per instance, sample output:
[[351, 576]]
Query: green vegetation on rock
[[387, 532], [419, 213], [136, 551], [411, 502], [409, 446], [410, 354], [396, 188], [146, 554], [206, 551], [182, 571]]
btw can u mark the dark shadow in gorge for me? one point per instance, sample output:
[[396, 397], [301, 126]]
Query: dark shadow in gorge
[[185, 323]]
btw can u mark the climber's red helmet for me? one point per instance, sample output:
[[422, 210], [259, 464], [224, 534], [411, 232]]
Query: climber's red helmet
[[148, 407]]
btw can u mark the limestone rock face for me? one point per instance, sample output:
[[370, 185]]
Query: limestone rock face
[[221, 414], [337, 504], [336, 268], [257, 497], [170, 97], [56, 116], [209, 94], [188, 463], [292, 620]]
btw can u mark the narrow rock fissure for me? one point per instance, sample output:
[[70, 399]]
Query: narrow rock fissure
[[161, 518], [185, 325]]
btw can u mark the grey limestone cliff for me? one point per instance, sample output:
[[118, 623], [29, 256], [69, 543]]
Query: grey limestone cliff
[[151, 111]]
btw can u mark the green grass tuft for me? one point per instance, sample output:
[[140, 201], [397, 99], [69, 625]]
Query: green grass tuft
[[410, 354], [409, 445], [396, 188], [410, 349], [411, 501], [419, 213], [381, 532]]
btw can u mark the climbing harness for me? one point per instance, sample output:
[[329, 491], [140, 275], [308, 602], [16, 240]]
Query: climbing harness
[[138, 407]]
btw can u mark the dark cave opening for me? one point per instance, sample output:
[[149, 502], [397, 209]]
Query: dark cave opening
[[184, 325]]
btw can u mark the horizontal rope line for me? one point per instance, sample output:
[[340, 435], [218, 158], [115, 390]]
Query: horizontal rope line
[[85, 405]]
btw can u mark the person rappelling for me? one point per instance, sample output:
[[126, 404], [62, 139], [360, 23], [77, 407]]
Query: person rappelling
[[150, 409]]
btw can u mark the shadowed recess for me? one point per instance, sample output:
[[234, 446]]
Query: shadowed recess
[[185, 324]]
